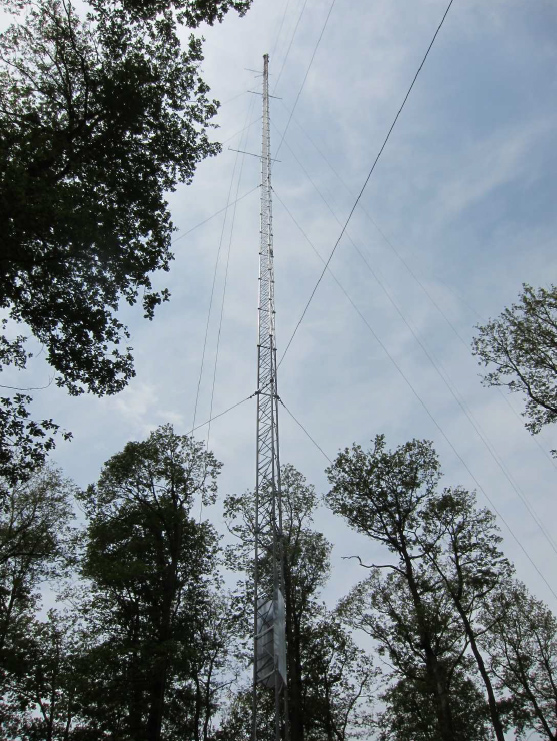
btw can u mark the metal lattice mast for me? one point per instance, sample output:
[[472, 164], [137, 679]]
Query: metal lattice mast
[[269, 619]]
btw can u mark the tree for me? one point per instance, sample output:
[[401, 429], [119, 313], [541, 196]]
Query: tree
[[24, 443], [337, 679], [306, 567], [190, 12], [152, 614], [461, 543], [36, 543], [381, 494], [327, 676], [98, 118], [211, 669], [416, 634], [40, 697], [520, 348], [236, 724], [101, 113], [410, 711], [428, 612], [522, 650]]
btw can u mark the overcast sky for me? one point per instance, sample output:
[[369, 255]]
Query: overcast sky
[[459, 212]]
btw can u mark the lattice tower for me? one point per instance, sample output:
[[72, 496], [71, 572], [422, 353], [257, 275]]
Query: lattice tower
[[269, 614]]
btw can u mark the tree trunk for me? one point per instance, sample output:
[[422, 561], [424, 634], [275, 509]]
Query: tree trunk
[[295, 697], [434, 671], [160, 669], [157, 684], [136, 700], [156, 708], [493, 711]]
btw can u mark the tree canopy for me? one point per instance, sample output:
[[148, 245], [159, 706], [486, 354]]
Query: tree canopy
[[36, 544], [438, 642], [423, 605], [100, 116], [328, 674], [522, 651], [519, 349], [142, 647], [150, 565], [102, 112]]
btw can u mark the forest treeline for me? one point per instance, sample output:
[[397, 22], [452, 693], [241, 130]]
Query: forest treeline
[[148, 640]]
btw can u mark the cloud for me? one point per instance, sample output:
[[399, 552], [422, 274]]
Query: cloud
[[464, 190]]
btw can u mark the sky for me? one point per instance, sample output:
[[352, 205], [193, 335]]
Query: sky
[[458, 213]]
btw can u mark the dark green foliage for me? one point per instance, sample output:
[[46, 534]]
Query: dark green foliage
[[24, 443], [380, 493], [36, 543], [520, 349], [236, 724], [149, 649], [36, 547], [153, 617], [337, 679], [99, 118], [423, 605], [190, 12], [328, 676], [147, 646], [413, 625], [461, 545], [41, 699], [410, 713], [522, 649], [102, 111]]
